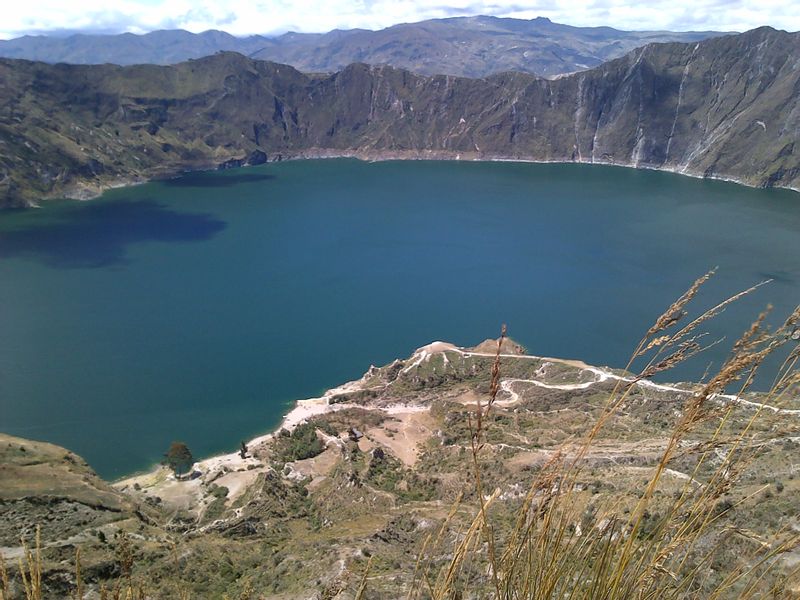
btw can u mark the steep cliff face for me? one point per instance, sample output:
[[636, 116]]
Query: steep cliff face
[[727, 107]]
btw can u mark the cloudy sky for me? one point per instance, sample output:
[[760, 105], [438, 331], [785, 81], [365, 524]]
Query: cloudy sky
[[242, 17]]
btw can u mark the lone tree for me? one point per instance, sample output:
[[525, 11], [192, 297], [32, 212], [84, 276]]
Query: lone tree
[[178, 458]]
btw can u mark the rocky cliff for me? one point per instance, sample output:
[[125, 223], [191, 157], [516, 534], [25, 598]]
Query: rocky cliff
[[726, 107]]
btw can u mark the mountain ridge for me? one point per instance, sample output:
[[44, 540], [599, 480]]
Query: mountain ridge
[[466, 46], [723, 108]]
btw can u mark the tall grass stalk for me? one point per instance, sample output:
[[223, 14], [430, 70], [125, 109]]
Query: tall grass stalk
[[30, 568], [5, 584]]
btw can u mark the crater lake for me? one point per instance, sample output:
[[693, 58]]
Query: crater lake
[[200, 308]]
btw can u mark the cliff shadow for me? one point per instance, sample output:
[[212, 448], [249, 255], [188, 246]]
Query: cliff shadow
[[215, 179], [96, 235]]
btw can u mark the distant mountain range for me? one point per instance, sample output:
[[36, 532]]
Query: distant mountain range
[[726, 107], [464, 46]]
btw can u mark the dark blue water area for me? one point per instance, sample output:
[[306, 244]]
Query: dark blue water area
[[200, 308]]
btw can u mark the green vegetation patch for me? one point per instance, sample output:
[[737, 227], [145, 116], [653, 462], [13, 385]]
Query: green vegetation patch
[[303, 441], [388, 474]]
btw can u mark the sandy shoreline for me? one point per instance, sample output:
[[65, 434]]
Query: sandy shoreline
[[303, 410]]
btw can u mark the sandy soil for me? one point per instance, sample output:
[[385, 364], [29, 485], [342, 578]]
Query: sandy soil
[[319, 467], [403, 435], [174, 494], [470, 398], [435, 347], [238, 482]]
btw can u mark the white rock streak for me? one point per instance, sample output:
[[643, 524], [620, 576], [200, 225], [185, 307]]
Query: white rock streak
[[680, 100]]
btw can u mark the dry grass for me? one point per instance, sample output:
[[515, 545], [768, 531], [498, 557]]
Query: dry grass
[[29, 569], [555, 550]]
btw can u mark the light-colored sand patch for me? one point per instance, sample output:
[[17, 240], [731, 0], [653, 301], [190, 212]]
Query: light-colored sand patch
[[408, 430], [425, 353], [365, 444], [318, 467], [470, 398], [434, 347], [145, 480], [210, 468], [237, 482], [177, 495]]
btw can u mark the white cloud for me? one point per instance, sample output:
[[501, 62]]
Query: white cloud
[[242, 17]]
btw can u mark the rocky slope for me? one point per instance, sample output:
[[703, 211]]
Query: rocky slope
[[39, 477], [727, 107], [372, 470], [47, 488], [465, 46]]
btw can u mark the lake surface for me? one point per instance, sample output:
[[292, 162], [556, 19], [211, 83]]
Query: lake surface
[[200, 308]]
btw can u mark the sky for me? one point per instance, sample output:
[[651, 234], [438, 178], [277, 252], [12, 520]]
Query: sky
[[244, 17]]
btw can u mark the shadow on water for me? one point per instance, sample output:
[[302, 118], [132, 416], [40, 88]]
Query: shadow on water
[[208, 179], [98, 234]]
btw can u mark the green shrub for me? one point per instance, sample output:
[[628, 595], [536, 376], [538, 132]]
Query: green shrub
[[300, 444]]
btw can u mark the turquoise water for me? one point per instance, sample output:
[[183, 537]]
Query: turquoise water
[[199, 309]]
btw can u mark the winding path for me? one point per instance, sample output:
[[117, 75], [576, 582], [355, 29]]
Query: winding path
[[601, 375]]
